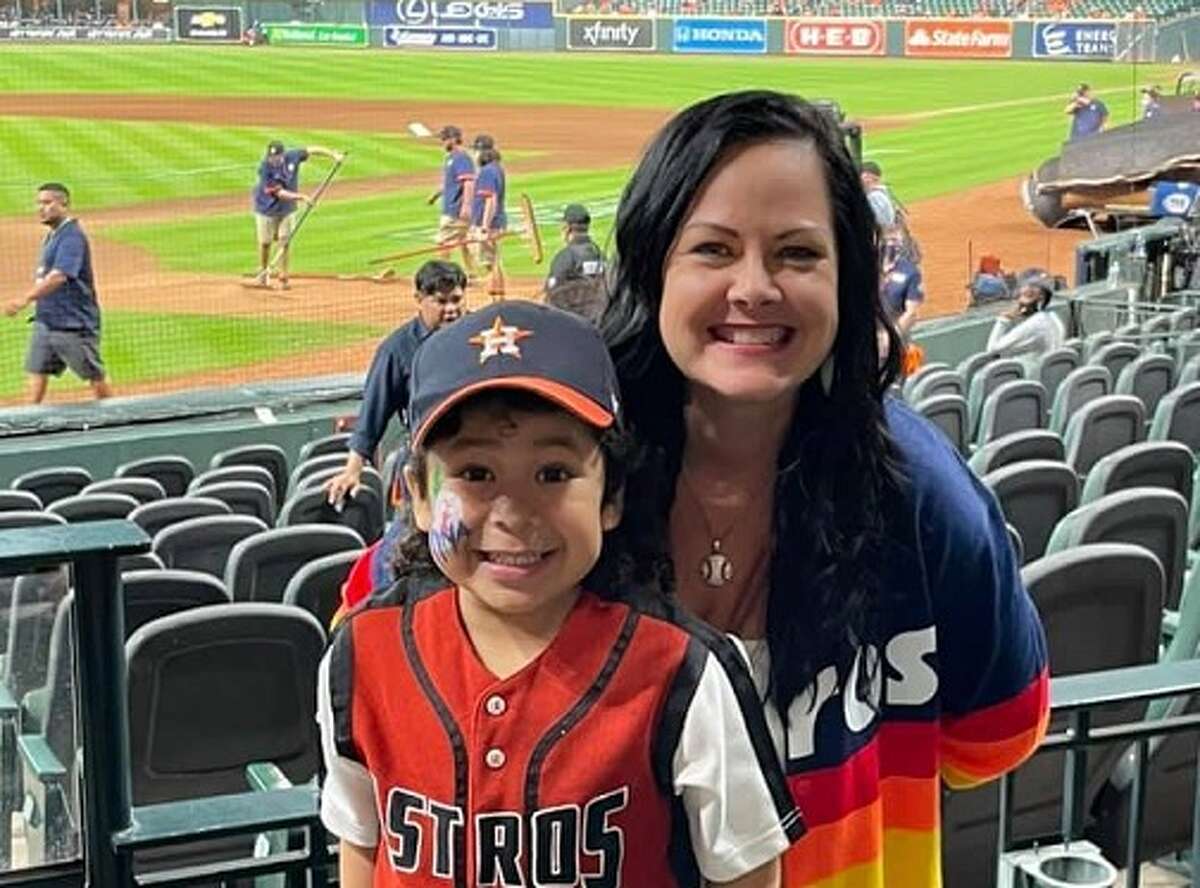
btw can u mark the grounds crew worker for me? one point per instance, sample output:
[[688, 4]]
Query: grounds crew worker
[[576, 279]]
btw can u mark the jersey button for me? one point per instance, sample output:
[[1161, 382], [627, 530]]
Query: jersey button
[[495, 705], [495, 759]]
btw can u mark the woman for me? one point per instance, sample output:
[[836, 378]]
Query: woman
[[866, 571]]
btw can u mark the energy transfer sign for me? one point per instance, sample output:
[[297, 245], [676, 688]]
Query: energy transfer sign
[[958, 38], [867, 37], [719, 35], [611, 34], [1075, 40]]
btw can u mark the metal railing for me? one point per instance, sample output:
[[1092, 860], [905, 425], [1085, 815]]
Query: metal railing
[[1079, 696]]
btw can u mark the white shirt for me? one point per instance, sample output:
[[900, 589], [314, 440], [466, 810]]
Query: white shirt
[[1039, 333]]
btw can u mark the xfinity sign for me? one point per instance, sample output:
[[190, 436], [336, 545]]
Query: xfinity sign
[[720, 35], [611, 34]]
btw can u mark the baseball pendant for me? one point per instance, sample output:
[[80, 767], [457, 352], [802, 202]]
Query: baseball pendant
[[715, 568]]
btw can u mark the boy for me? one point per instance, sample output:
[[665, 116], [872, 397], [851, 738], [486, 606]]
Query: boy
[[502, 724]]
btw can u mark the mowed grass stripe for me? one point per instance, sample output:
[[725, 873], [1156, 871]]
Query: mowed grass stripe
[[343, 235], [140, 347], [866, 87], [113, 163]]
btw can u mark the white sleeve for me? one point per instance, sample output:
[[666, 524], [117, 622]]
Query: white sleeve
[[733, 807], [348, 807], [881, 205], [1022, 338]]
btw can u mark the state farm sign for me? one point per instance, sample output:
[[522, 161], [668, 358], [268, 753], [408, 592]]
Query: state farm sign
[[834, 37], [958, 38]]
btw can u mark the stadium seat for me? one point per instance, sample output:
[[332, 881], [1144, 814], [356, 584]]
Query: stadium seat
[[330, 444], [35, 599], [1114, 357], [1101, 427], [55, 483], [1101, 606], [1052, 368], [19, 501], [1156, 332], [260, 566], [393, 479], [204, 543], [919, 374], [969, 365], [321, 463], [1014, 406], [1017, 447], [255, 474], [1018, 545], [363, 512], [1093, 342], [1146, 464], [1189, 372], [1147, 378], [986, 380], [1182, 322], [1034, 495], [269, 456], [11, 520], [317, 585], [369, 478], [1128, 333], [243, 498], [1152, 517], [153, 517], [1187, 347], [174, 473], [1081, 385], [1075, 344], [948, 413], [940, 382], [150, 594], [93, 507], [1177, 417], [193, 729], [144, 490], [140, 561]]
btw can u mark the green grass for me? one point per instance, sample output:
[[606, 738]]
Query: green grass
[[342, 235], [113, 163], [140, 347], [864, 86]]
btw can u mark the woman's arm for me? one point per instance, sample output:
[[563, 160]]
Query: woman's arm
[[356, 867]]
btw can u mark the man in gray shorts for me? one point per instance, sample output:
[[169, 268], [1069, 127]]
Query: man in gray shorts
[[66, 321]]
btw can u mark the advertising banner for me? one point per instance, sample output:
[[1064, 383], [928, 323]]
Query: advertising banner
[[723, 35], [286, 33], [439, 38], [461, 13], [958, 38], [1075, 40], [866, 37], [77, 34], [611, 34], [208, 24]]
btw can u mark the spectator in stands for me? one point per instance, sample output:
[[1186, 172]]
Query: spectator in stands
[[900, 283], [576, 279], [1028, 330], [831, 529], [438, 290], [1088, 114], [1151, 102], [878, 196], [66, 320]]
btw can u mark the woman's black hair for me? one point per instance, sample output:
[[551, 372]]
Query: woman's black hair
[[624, 568], [835, 470]]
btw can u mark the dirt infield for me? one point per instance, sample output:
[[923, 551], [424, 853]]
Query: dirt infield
[[954, 230]]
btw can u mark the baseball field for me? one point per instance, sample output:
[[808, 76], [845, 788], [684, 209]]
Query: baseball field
[[159, 146]]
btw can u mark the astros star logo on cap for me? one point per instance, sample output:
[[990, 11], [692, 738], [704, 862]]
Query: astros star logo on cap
[[499, 339]]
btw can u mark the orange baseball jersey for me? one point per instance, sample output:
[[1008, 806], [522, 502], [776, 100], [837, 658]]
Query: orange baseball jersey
[[632, 751]]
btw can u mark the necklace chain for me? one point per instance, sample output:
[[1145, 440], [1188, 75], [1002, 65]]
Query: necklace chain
[[716, 568]]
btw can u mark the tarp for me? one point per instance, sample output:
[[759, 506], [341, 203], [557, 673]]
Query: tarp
[[1136, 152]]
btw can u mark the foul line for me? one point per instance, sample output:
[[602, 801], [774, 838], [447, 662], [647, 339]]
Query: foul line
[[984, 106]]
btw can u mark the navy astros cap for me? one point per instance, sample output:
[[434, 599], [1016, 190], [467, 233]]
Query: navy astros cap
[[483, 140], [514, 345], [275, 147], [576, 214], [449, 132]]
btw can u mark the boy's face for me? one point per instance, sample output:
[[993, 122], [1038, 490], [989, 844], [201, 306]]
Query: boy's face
[[436, 309], [513, 505]]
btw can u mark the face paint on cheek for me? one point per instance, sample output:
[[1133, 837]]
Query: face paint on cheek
[[447, 531]]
